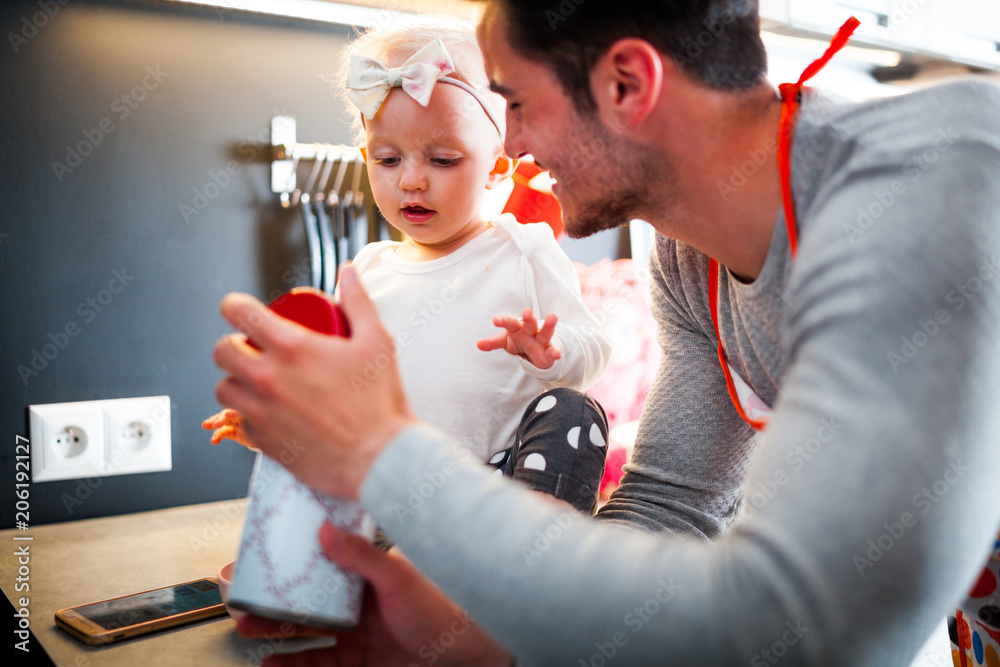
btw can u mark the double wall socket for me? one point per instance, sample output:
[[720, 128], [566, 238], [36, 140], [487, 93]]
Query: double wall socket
[[100, 438]]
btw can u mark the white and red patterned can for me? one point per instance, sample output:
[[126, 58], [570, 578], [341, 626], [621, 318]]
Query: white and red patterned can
[[282, 572]]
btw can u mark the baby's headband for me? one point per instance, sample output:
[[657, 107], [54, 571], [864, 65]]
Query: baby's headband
[[369, 81]]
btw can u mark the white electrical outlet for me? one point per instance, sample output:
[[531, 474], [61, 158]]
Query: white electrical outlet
[[100, 438], [67, 441], [137, 434]]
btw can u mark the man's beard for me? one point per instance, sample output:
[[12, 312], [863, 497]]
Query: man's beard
[[601, 215], [625, 189]]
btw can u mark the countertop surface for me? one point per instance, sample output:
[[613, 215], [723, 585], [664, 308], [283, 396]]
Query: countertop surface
[[85, 561]]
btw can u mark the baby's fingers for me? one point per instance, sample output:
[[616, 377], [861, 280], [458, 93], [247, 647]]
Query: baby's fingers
[[508, 322], [498, 342], [221, 434], [530, 323], [221, 419], [212, 422], [548, 329]]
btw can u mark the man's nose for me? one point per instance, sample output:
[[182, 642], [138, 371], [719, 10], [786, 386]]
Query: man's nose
[[513, 142]]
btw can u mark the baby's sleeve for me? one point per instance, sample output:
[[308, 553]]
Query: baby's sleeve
[[554, 287]]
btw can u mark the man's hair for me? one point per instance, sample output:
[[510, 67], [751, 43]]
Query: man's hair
[[714, 41]]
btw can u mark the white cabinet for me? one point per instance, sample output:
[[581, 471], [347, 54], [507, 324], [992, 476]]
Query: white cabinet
[[968, 30], [900, 23]]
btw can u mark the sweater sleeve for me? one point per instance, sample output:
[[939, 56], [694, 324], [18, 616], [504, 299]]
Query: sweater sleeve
[[882, 475], [692, 451]]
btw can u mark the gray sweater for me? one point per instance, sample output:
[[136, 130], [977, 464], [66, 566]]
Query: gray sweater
[[846, 531]]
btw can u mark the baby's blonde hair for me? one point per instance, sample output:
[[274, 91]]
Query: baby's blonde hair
[[392, 47]]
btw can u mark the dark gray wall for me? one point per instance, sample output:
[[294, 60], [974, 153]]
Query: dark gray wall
[[219, 78], [209, 82]]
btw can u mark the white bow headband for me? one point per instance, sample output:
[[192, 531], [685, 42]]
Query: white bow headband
[[369, 81]]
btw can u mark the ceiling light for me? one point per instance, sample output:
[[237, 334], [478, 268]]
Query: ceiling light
[[330, 12]]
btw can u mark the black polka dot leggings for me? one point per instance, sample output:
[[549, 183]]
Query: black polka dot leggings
[[560, 448]]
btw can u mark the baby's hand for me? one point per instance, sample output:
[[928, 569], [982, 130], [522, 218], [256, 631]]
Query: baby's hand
[[523, 338], [227, 424]]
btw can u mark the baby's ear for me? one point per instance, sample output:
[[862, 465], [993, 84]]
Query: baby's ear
[[502, 170]]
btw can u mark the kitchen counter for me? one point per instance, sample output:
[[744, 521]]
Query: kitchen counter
[[85, 561]]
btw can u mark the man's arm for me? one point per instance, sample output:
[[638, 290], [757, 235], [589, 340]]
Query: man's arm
[[885, 496], [693, 449]]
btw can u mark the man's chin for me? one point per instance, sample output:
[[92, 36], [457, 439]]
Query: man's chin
[[581, 226]]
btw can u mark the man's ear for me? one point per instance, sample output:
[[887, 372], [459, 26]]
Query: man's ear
[[502, 170], [627, 81]]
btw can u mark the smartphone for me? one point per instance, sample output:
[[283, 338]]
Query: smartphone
[[141, 613]]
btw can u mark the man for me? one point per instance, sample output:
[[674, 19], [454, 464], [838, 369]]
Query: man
[[872, 497]]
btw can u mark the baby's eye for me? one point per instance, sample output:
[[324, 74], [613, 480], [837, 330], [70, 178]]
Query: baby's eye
[[387, 161], [445, 161]]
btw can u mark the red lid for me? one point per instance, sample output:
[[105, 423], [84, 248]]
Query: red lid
[[311, 310]]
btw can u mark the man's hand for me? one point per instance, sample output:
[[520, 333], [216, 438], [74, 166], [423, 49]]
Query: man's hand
[[524, 338], [405, 618], [323, 406]]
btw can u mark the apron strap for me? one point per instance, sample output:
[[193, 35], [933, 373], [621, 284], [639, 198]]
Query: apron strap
[[791, 97]]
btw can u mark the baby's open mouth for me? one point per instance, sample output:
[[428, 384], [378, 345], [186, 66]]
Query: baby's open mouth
[[416, 214]]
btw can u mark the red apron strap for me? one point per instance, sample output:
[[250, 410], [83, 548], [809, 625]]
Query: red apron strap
[[790, 99], [713, 303]]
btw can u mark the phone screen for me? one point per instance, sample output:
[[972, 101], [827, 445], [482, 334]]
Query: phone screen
[[152, 605]]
